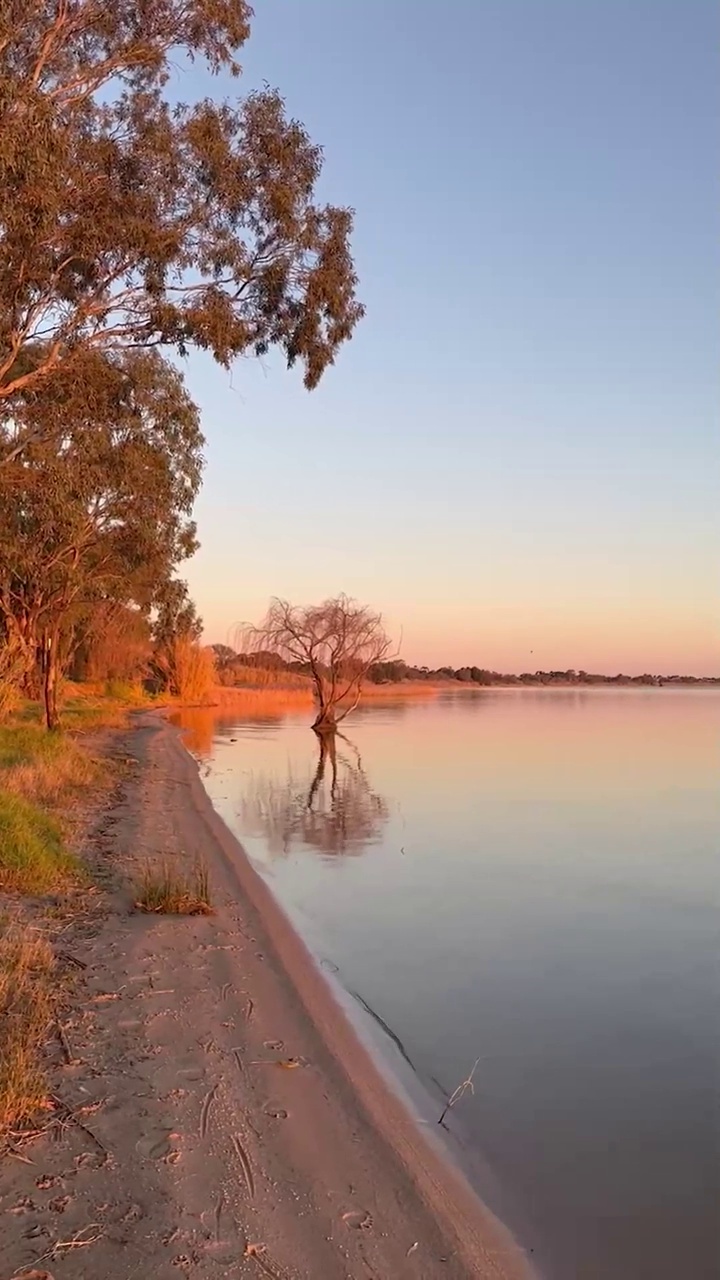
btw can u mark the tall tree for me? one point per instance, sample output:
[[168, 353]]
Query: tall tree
[[97, 510], [126, 220]]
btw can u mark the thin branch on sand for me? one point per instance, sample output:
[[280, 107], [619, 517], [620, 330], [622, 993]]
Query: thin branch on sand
[[64, 1044], [70, 1117], [245, 1163], [76, 1242], [205, 1110], [464, 1087]]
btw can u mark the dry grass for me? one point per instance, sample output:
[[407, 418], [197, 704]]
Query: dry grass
[[245, 678], [86, 707], [261, 698], [167, 892], [44, 767], [190, 670], [27, 990], [286, 688]]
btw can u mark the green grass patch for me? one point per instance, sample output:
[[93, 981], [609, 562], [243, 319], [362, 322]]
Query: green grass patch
[[33, 856], [26, 743]]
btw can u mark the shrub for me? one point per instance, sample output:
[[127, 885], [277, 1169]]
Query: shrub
[[189, 669]]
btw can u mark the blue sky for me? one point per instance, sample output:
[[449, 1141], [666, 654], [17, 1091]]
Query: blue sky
[[515, 457]]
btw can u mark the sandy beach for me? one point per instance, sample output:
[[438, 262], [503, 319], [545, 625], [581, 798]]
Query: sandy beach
[[223, 1118]]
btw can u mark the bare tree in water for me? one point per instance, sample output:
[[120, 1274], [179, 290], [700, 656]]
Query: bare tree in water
[[337, 641]]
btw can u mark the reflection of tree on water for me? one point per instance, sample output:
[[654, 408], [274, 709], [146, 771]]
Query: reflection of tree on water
[[335, 812]]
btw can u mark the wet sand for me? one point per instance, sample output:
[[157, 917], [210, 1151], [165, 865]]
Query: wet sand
[[228, 1120]]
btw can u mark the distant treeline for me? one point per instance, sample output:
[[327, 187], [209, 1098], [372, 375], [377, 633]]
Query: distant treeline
[[396, 672], [481, 676]]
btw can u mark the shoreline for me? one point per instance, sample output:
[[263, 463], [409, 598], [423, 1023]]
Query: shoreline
[[214, 1109], [485, 1242]]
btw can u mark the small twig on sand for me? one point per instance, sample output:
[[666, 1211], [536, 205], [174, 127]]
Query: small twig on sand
[[67, 1052], [205, 1109], [65, 955], [464, 1087], [9, 1150], [245, 1163], [68, 1116], [265, 1262], [218, 1214], [75, 1243]]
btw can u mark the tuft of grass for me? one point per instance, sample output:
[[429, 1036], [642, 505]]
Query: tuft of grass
[[167, 892], [33, 856], [27, 989]]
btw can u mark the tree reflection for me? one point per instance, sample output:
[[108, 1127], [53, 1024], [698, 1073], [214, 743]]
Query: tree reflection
[[335, 811]]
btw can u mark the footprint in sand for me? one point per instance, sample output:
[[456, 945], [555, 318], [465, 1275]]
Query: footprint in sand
[[133, 1213], [156, 1145], [274, 1111], [358, 1219], [59, 1204]]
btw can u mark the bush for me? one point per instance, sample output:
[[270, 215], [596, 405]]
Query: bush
[[189, 669]]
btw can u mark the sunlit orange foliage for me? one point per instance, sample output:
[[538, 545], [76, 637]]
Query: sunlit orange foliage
[[190, 670], [250, 677]]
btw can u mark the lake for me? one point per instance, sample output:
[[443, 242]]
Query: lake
[[528, 878]]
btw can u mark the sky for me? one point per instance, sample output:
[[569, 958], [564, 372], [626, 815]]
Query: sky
[[515, 459]]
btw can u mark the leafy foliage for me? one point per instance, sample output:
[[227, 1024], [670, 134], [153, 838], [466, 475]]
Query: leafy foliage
[[126, 221], [96, 512]]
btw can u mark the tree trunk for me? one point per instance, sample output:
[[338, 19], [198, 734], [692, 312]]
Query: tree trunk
[[50, 683], [325, 720]]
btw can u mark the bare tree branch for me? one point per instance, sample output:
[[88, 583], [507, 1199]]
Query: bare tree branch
[[338, 641]]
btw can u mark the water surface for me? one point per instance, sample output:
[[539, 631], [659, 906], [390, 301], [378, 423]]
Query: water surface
[[529, 878]]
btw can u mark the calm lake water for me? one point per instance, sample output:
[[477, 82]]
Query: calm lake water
[[529, 878]]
